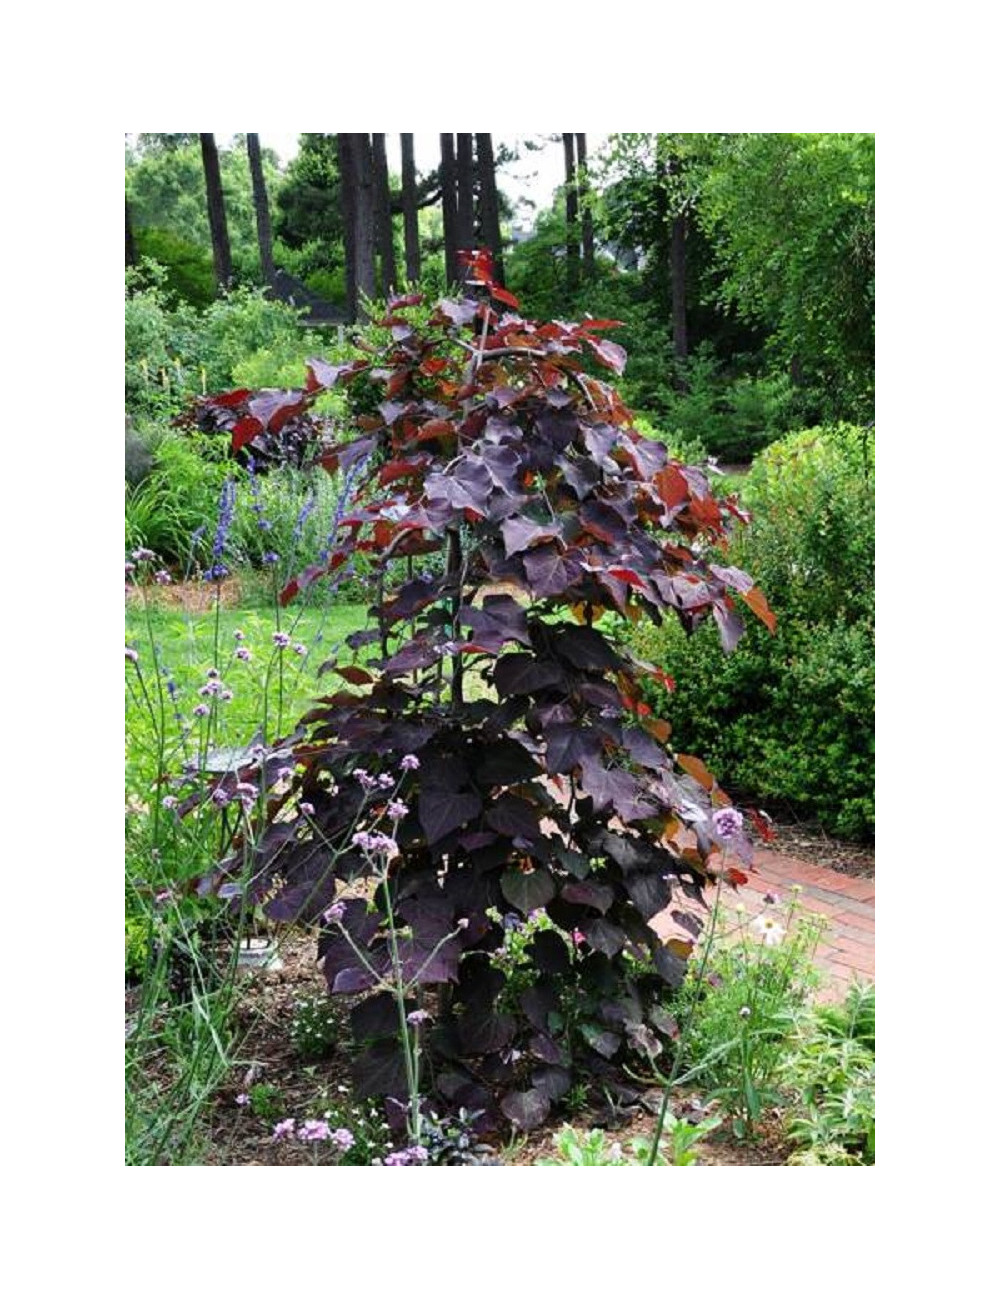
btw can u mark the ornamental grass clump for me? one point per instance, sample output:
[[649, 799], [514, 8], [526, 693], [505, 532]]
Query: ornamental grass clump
[[507, 506]]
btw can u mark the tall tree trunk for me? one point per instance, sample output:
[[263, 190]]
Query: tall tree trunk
[[466, 178], [411, 234], [572, 227], [489, 204], [260, 208], [348, 202], [383, 216], [130, 257], [449, 208], [216, 213], [364, 215], [678, 285], [586, 201]]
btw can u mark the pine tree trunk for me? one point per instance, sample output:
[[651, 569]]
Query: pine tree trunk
[[466, 234], [411, 233], [489, 204], [449, 208], [572, 226], [348, 200], [130, 257], [260, 208], [383, 216], [586, 200], [364, 216], [221, 255]]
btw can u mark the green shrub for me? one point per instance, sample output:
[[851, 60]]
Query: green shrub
[[189, 274], [790, 716]]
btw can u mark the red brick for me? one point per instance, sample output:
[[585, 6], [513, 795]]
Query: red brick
[[856, 920], [862, 890], [852, 949]]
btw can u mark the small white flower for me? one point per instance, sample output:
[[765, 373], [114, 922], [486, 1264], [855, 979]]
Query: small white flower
[[768, 929]]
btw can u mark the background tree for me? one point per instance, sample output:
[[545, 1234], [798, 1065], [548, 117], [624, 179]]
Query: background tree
[[221, 255], [383, 216], [489, 203], [572, 211], [261, 209], [449, 208], [130, 257], [586, 206], [465, 180], [411, 234]]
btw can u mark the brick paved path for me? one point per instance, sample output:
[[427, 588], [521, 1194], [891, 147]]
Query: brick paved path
[[847, 948]]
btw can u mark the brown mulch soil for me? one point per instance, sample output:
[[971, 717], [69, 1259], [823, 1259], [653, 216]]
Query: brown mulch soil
[[233, 1135], [810, 843], [193, 597]]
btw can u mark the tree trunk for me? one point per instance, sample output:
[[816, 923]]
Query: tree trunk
[[216, 213], [411, 234], [383, 215], [466, 176], [364, 216], [130, 257], [261, 209], [489, 204], [348, 201], [586, 200], [572, 228], [678, 285], [449, 208]]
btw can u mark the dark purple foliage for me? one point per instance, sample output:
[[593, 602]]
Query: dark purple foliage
[[496, 451]]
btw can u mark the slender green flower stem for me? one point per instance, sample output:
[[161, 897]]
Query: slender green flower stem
[[682, 1043]]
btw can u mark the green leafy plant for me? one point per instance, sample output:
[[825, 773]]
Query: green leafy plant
[[830, 1076], [743, 1013], [594, 1147], [314, 1028]]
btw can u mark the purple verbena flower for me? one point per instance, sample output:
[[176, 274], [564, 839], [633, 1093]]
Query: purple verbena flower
[[169, 801], [418, 1017], [239, 635], [335, 912], [219, 796], [385, 781], [200, 711], [270, 557], [307, 808], [131, 655], [226, 695], [243, 653], [314, 1130], [281, 639], [397, 810], [162, 578], [242, 1099], [284, 1129], [728, 823], [143, 553], [300, 649], [343, 1138], [410, 763]]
